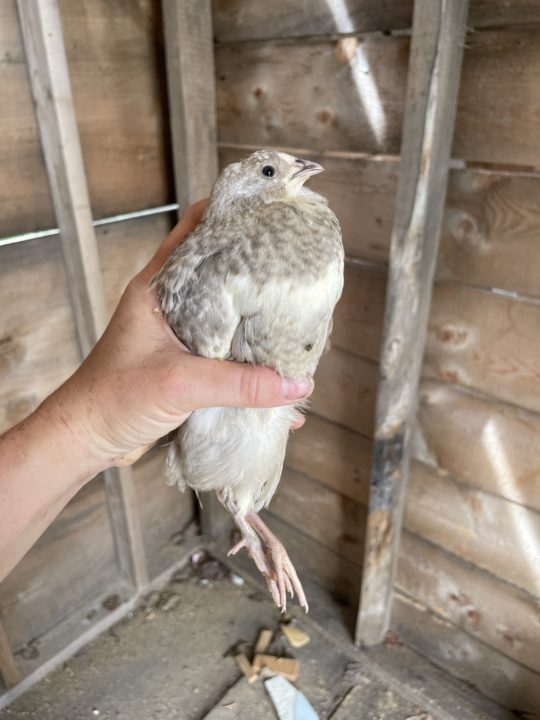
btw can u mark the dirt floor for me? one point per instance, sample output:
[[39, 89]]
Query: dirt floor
[[172, 658]]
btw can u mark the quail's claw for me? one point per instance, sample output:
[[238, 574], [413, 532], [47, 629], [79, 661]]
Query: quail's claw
[[236, 548]]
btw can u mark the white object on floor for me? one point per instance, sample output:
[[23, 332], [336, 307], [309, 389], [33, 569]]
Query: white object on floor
[[289, 702]]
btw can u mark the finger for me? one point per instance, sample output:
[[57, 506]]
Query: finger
[[189, 220], [204, 383]]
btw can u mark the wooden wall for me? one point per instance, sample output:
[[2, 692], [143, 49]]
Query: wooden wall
[[468, 584], [115, 56]]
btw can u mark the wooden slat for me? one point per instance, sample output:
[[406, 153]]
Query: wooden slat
[[485, 341], [496, 534], [357, 104], [492, 532], [8, 669], [498, 614], [48, 71], [116, 67], [192, 105], [192, 101], [434, 71], [336, 521], [70, 563], [498, 444], [345, 390], [259, 20], [512, 685], [164, 512]]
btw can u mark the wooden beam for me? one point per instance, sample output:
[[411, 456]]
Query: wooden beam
[[48, 71], [433, 82], [192, 107], [192, 96], [8, 669]]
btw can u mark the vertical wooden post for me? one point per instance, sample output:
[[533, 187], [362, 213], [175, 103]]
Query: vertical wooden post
[[433, 83], [8, 669], [192, 107], [51, 88]]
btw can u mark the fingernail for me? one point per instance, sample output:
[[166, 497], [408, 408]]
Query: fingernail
[[296, 389]]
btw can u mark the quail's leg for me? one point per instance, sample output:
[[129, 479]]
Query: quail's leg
[[250, 540], [283, 569]]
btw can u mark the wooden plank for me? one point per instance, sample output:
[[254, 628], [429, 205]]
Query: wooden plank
[[48, 72], [479, 530], [495, 534], [333, 455], [333, 519], [480, 527], [236, 20], [498, 614], [164, 512], [38, 344], [192, 101], [117, 74], [512, 685], [51, 89], [427, 134], [345, 390], [498, 444], [8, 669], [70, 563], [323, 565], [25, 202], [355, 98], [192, 107], [484, 341]]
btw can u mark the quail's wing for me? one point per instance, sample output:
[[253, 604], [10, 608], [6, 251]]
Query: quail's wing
[[238, 297]]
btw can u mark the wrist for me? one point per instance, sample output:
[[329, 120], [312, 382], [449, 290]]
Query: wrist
[[59, 423]]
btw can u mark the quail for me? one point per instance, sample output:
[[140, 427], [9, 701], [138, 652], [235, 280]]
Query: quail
[[256, 281]]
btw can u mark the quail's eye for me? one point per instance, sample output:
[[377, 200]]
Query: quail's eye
[[269, 171]]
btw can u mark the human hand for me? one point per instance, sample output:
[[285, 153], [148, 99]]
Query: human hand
[[140, 382]]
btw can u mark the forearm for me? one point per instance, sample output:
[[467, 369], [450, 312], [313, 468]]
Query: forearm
[[44, 461]]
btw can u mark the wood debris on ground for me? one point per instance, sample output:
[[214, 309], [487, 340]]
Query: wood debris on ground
[[287, 667]]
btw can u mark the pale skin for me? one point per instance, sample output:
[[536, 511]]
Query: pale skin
[[138, 384]]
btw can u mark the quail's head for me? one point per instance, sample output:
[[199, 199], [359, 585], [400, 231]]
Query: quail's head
[[266, 174]]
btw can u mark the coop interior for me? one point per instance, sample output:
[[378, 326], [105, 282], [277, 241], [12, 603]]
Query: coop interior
[[127, 606]]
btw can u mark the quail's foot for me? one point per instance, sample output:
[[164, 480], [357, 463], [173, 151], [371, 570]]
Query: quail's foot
[[283, 572]]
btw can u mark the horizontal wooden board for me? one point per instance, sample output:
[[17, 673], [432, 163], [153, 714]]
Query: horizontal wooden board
[[494, 612], [258, 20], [345, 390], [335, 520], [512, 685], [25, 202], [490, 229], [495, 534], [164, 512], [353, 99], [477, 339], [118, 82], [333, 455], [475, 526], [70, 563], [485, 341], [489, 445], [38, 345]]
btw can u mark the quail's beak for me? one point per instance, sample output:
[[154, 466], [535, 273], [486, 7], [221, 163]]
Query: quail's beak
[[306, 168]]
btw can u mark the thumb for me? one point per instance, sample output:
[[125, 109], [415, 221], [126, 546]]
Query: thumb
[[222, 383]]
